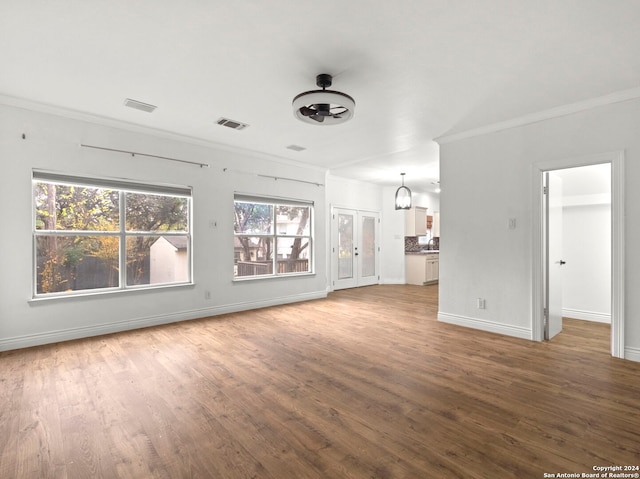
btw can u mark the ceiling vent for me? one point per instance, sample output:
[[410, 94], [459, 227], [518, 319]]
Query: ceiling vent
[[138, 105], [236, 125], [296, 147]]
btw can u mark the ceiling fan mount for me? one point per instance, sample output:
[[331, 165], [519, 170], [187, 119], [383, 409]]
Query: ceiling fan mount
[[324, 80], [323, 107]]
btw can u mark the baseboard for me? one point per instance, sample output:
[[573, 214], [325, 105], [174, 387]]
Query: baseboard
[[49, 337], [632, 354], [484, 325], [393, 281], [586, 315]]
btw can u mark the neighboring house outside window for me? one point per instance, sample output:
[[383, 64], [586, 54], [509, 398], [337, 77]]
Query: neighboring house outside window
[[94, 235], [169, 260], [272, 237]]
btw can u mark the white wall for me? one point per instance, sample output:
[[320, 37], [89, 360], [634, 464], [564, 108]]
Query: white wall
[[586, 247], [487, 179], [392, 269], [52, 144]]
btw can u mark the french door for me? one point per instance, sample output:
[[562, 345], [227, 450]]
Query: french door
[[354, 248]]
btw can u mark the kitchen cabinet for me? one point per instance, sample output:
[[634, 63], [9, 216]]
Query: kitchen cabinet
[[415, 221], [422, 268], [436, 225]]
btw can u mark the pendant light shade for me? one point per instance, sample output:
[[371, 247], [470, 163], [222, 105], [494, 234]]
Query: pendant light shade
[[403, 196]]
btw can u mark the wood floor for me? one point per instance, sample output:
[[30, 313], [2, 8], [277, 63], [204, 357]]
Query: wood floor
[[364, 384]]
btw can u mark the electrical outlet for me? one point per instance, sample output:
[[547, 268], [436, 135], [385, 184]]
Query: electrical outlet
[[481, 303], [512, 223], [207, 294]]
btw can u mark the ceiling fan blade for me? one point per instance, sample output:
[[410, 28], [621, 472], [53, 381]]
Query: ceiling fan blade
[[318, 118], [306, 111]]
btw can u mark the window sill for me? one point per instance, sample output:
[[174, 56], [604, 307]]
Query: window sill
[[245, 279], [104, 293]]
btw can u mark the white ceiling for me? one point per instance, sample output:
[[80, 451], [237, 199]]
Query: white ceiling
[[417, 69], [586, 181]]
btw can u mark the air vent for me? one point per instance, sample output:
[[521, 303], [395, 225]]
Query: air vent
[[296, 147], [236, 125], [138, 105]]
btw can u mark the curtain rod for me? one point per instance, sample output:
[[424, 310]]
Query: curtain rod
[[290, 179], [134, 153]]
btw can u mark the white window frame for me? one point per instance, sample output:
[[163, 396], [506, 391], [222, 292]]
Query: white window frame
[[123, 187], [274, 235]]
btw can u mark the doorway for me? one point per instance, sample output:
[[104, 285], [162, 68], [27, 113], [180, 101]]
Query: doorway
[[354, 248], [546, 315]]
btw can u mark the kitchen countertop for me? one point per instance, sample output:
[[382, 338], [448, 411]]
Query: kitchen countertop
[[429, 251]]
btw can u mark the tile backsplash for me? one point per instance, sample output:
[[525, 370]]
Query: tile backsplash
[[411, 244]]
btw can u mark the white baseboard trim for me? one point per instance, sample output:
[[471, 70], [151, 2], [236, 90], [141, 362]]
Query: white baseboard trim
[[632, 354], [484, 325], [38, 339], [586, 315]]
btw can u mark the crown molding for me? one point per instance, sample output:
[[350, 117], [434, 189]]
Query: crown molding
[[616, 97], [72, 114]]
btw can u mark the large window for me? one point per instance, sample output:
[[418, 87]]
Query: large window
[[95, 235], [271, 238]]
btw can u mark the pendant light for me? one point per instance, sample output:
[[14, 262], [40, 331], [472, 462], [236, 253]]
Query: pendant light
[[403, 196]]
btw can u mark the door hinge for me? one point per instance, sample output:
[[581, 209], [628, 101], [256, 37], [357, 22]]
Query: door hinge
[[545, 190], [544, 311]]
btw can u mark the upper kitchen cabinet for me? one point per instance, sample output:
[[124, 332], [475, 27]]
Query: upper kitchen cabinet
[[415, 221], [435, 232]]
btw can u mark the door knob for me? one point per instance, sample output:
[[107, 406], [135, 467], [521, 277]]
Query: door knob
[[562, 262]]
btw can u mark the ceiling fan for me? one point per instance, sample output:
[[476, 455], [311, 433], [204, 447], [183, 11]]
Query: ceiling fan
[[323, 107]]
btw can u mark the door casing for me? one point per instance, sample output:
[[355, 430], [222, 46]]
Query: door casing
[[616, 159], [358, 279]]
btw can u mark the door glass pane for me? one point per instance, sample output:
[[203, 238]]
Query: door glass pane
[[368, 253], [345, 246]]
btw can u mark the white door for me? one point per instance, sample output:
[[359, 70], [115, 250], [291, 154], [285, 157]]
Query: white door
[[354, 248], [554, 261]]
